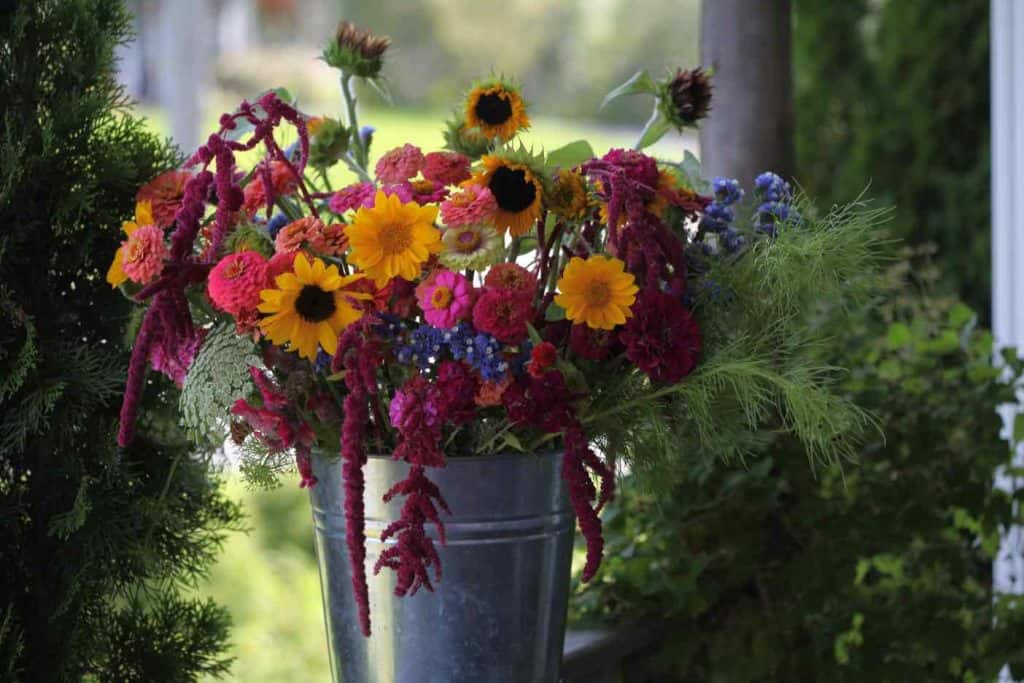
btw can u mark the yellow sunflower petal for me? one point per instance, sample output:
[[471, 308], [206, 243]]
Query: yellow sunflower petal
[[115, 274]]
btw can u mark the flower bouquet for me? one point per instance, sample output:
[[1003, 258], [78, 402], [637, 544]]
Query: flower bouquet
[[456, 341]]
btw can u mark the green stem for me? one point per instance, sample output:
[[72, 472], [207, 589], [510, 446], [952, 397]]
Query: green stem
[[163, 493], [650, 122], [362, 154]]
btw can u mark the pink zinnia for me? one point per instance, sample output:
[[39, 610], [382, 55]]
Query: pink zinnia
[[446, 298], [352, 197], [235, 283], [144, 254], [503, 314], [511, 276], [280, 263], [399, 164], [446, 168], [474, 204]]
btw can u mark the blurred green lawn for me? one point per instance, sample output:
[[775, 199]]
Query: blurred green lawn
[[268, 577]]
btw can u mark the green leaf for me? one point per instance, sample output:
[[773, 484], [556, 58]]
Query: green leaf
[[692, 172], [380, 86], [534, 334], [899, 335], [571, 155], [554, 313], [653, 131], [638, 84], [960, 315], [512, 441], [1018, 428]]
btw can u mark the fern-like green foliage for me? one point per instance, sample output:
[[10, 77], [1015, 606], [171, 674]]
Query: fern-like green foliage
[[762, 370], [95, 541], [219, 376]]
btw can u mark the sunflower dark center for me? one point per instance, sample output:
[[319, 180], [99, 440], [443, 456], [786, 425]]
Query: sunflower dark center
[[493, 109], [511, 189], [314, 305]]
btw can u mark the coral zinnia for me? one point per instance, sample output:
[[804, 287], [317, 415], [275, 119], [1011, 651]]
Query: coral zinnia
[[144, 254], [399, 164], [235, 283], [473, 204], [471, 246], [597, 291], [662, 338], [393, 238], [446, 168], [511, 276], [497, 110], [164, 193], [143, 216], [517, 190], [446, 298], [309, 308]]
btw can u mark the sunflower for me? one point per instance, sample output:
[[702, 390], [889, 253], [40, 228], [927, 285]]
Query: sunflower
[[518, 190], [569, 195], [471, 246], [143, 216], [392, 238], [497, 110], [309, 307], [597, 292]]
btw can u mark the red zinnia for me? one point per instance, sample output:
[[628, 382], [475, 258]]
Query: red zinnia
[[511, 276], [503, 314], [662, 337], [542, 357]]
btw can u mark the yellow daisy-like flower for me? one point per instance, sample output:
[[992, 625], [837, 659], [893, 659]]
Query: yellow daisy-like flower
[[143, 216], [309, 308], [393, 239], [597, 292], [497, 110], [517, 190]]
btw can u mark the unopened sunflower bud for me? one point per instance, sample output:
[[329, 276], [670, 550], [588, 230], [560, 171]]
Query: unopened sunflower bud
[[329, 140], [355, 51], [461, 138], [686, 98]]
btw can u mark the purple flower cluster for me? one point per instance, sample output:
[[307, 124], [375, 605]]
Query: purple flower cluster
[[719, 214]]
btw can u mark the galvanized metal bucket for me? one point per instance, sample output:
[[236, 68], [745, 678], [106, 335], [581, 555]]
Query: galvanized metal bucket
[[499, 611]]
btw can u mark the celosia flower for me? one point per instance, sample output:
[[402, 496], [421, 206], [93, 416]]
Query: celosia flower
[[399, 164], [504, 314], [474, 204], [164, 193], [393, 238], [446, 168], [597, 291], [473, 247], [144, 254], [446, 298], [511, 276], [414, 415], [662, 338], [544, 402], [456, 389], [174, 359], [542, 356], [352, 197], [282, 181], [235, 283], [591, 344], [489, 394]]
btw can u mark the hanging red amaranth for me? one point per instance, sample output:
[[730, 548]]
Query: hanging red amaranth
[[359, 359], [176, 332], [414, 553]]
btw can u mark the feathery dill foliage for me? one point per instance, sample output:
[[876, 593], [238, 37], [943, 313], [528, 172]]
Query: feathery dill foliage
[[95, 541], [762, 372]]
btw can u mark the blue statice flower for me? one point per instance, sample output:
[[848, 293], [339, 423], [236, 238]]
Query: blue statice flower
[[366, 136], [423, 348], [719, 214], [274, 225], [482, 351], [731, 240], [389, 326], [775, 203], [322, 363]]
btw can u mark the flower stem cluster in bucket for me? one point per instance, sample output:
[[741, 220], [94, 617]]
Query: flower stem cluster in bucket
[[482, 298]]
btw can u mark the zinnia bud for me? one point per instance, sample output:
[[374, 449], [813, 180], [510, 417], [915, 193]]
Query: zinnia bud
[[355, 51], [686, 98]]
